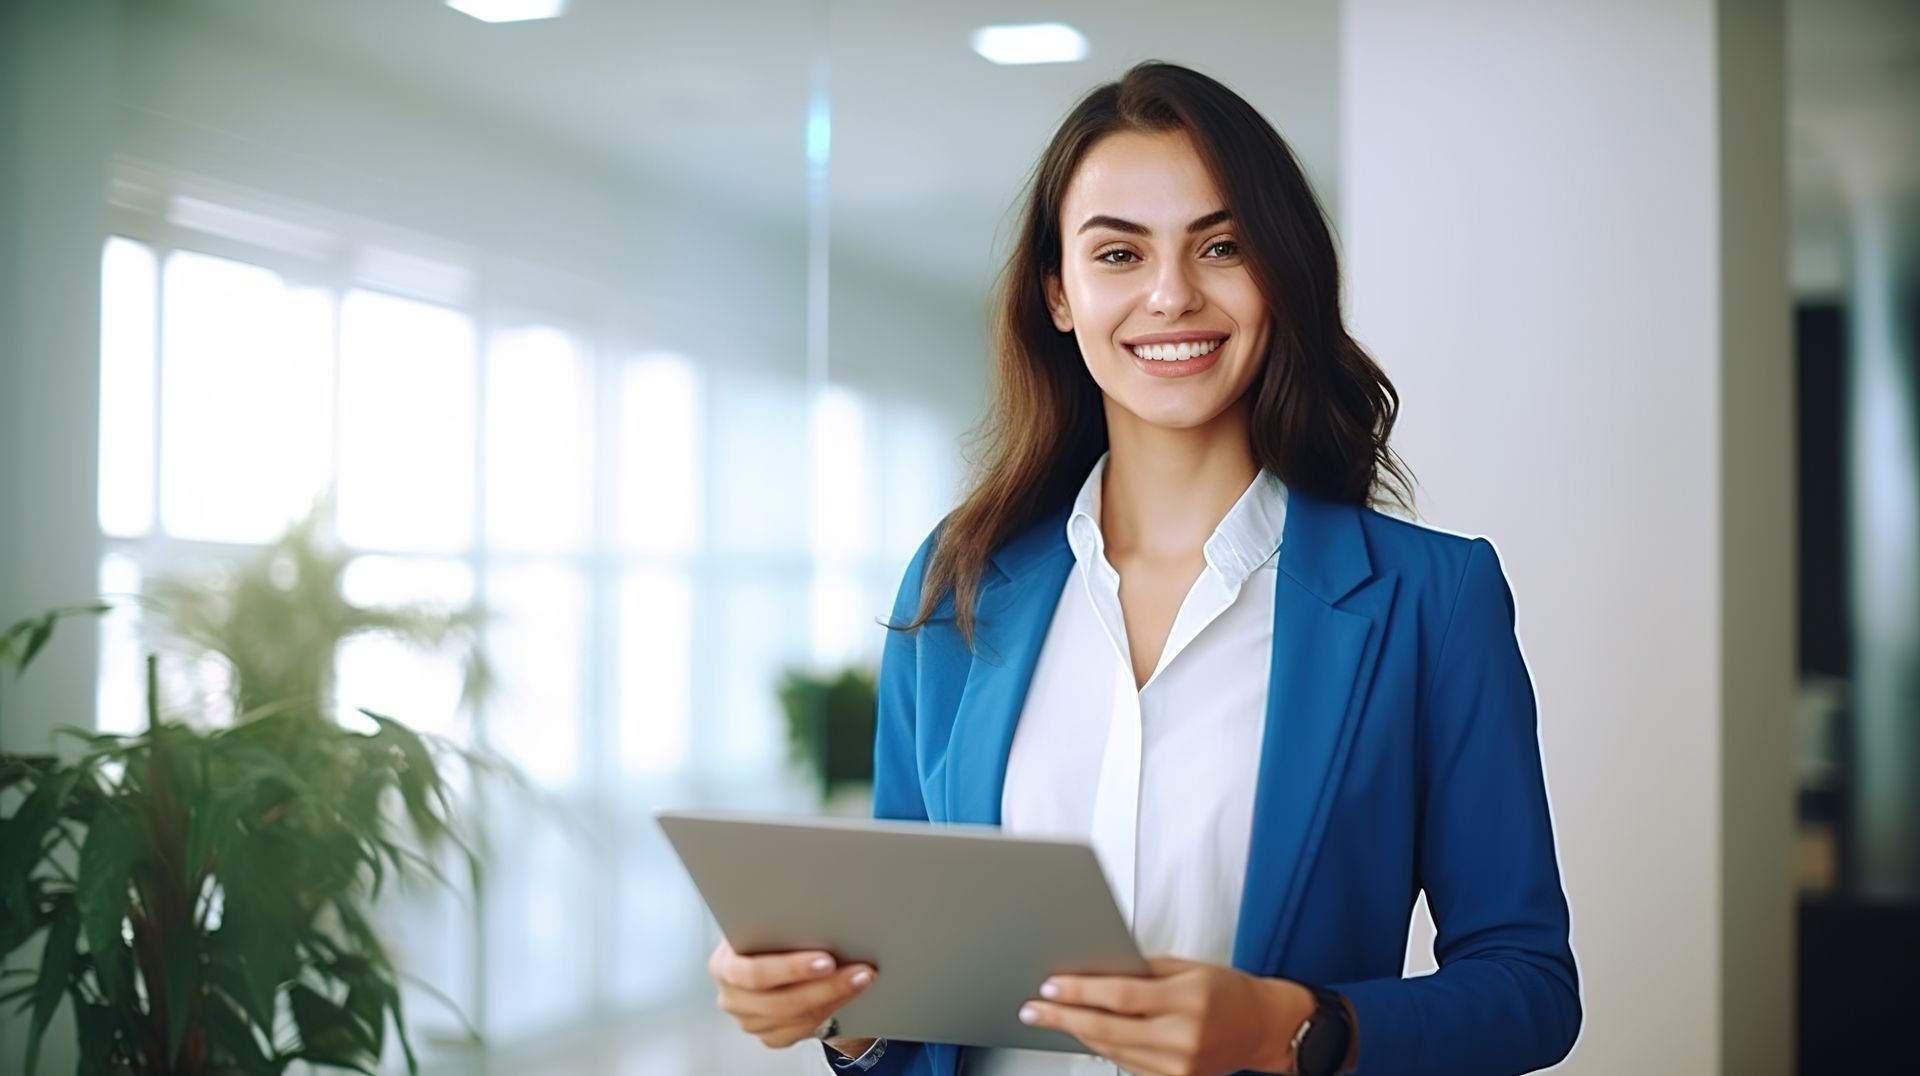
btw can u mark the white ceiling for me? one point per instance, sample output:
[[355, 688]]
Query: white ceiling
[[930, 142]]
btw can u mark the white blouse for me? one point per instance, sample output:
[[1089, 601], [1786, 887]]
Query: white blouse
[[1159, 780]]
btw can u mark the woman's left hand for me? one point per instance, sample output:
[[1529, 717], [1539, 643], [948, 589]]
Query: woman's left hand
[[1185, 1019]]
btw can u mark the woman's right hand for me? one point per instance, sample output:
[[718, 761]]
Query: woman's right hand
[[783, 998]]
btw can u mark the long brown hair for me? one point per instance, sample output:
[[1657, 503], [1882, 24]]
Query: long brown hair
[[1322, 409]]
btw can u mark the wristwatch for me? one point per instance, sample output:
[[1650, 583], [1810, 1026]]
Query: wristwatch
[[1320, 1045]]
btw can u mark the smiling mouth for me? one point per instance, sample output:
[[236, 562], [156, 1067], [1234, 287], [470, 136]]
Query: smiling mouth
[[1180, 352]]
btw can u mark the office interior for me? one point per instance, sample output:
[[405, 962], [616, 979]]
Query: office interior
[[659, 333]]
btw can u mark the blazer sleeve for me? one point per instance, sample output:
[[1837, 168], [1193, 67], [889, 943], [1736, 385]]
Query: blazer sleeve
[[896, 777], [1506, 996]]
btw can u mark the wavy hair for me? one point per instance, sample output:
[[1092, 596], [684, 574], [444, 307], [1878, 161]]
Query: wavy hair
[[1322, 409]]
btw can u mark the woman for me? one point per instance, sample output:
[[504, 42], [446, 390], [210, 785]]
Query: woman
[[1166, 621]]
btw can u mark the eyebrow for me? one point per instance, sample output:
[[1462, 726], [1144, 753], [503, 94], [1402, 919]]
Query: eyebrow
[[1129, 227]]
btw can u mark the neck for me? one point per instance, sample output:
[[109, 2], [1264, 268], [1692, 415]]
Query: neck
[[1166, 490]]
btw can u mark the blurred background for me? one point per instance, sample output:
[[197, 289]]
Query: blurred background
[[656, 330]]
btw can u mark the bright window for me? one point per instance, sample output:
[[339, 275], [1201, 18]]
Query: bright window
[[407, 420], [128, 288], [652, 553], [245, 399]]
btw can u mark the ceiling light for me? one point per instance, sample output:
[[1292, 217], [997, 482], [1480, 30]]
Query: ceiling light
[[1031, 43], [509, 10]]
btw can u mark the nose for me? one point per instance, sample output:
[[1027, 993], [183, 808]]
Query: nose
[[1173, 292]]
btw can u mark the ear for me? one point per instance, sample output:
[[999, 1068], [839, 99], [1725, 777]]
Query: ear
[[1057, 304]]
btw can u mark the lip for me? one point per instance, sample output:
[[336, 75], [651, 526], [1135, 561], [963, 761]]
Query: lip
[[1190, 337], [1183, 368]]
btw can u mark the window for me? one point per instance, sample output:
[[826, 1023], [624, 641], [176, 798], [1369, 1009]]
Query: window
[[653, 553]]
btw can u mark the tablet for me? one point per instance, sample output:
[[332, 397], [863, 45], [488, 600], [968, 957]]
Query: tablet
[[962, 922]]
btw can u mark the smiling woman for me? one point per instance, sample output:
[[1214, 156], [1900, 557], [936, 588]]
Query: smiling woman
[[1167, 621], [1151, 292], [1166, 209]]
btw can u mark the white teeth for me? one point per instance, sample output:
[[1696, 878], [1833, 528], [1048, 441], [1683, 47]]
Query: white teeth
[[1176, 352]]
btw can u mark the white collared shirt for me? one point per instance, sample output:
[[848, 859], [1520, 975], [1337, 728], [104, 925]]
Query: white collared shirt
[[1160, 780]]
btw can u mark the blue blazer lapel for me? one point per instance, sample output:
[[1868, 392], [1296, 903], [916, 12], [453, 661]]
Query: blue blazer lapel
[[1329, 615], [1015, 607]]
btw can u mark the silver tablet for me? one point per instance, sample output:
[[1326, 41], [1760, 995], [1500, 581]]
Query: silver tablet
[[963, 922]]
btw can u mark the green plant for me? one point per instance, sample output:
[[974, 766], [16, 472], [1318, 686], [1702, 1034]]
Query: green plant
[[204, 893], [830, 724]]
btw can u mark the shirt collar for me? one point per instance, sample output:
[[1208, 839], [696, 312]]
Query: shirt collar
[[1246, 539]]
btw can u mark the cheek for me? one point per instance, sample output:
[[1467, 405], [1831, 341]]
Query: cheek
[[1092, 310], [1101, 302], [1248, 306], [1250, 312]]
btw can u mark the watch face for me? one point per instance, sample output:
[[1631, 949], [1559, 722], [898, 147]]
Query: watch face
[[1323, 1042], [1316, 1054]]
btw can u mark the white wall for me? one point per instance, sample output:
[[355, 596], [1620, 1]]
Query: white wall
[[1564, 226], [56, 62]]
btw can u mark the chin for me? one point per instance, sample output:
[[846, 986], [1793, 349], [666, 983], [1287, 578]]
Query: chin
[[1177, 418]]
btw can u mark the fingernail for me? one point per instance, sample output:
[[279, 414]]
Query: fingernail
[[1050, 990], [861, 979], [824, 963], [1028, 1014]]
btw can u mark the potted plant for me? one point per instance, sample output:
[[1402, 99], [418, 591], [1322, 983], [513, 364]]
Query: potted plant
[[830, 726], [205, 893]]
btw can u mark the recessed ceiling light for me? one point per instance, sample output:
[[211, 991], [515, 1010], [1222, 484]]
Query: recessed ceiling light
[[1031, 43], [510, 10]]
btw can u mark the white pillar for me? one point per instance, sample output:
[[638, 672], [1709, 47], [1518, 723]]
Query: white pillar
[[1565, 236], [59, 59]]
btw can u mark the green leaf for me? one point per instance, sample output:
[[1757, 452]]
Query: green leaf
[[36, 630], [366, 1002], [21, 916], [113, 843], [360, 931], [113, 970], [56, 967], [24, 990], [96, 1028], [208, 826], [400, 1029], [21, 836], [10, 639], [232, 1035], [254, 936], [15, 768], [328, 1030], [41, 633], [421, 789], [183, 980]]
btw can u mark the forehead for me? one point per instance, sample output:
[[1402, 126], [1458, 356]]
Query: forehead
[[1156, 179]]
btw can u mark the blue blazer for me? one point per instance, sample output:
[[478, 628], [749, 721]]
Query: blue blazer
[[1399, 755]]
